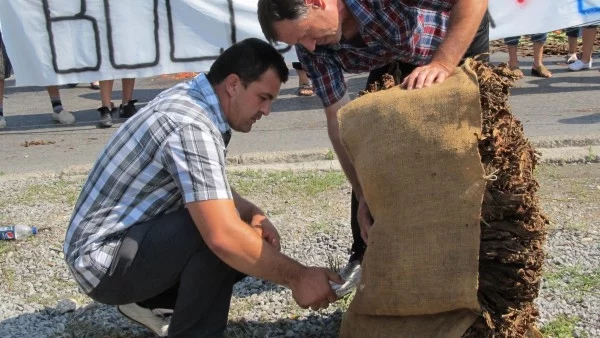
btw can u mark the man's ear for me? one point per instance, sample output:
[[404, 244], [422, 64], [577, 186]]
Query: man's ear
[[232, 82], [315, 3]]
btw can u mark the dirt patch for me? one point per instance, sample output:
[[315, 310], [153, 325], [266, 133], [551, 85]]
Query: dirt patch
[[27, 144], [179, 76]]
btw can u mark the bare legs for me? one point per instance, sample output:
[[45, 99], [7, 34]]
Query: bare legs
[[106, 87]]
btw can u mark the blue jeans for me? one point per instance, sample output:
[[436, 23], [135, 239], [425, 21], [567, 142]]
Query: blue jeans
[[514, 40], [575, 32]]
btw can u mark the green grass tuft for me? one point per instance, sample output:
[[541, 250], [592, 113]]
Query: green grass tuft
[[561, 327], [286, 183]]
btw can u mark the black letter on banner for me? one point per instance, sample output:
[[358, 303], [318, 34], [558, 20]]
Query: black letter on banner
[[59, 22], [134, 18], [190, 58]]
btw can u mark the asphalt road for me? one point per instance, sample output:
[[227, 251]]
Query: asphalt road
[[562, 108]]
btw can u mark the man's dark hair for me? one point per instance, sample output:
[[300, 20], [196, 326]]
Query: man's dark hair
[[248, 59], [271, 11]]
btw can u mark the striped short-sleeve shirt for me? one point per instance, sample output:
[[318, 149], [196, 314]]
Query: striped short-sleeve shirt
[[170, 153]]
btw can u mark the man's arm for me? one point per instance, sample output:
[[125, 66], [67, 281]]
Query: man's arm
[[240, 247], [364, 216], [245, 208], [328, 81], [465, 18], [257, 220], [333, 129]]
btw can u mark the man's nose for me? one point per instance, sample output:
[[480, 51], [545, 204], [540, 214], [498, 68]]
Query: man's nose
[[266, 108], [309, 44]]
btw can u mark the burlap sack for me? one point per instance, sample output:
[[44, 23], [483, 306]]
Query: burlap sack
[[416, 157], [442, 325]]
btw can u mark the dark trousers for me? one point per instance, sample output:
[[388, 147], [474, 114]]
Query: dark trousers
[[164, 263], [480, 45]]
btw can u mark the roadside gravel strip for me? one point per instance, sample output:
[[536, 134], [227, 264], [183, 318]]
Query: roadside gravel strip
[[310, 208]]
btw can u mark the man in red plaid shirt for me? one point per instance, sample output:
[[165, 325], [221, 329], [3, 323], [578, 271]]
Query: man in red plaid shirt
[[419, 41]]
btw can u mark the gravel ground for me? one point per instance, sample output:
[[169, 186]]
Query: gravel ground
[[310, 208]]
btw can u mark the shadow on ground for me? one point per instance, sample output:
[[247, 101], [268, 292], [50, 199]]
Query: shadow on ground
[[102, 321], [313, 326], [585, 119]]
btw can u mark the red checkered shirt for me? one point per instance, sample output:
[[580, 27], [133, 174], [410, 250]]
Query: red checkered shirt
[[405, 30]]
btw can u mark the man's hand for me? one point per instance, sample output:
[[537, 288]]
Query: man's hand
[[313, 290], [263, 226], [365, 220], [425, 76]]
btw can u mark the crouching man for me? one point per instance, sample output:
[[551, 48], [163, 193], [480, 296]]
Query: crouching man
[[157, 224]]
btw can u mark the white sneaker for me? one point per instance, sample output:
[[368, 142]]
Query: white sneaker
[[580, 65], [63, 117], [2, 122], [571, 58], [158, 324]]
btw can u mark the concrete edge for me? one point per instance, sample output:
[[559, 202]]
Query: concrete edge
[[565, 141], [570, 155], [585, 152], [282, 157], [553, 150], [325, 159]]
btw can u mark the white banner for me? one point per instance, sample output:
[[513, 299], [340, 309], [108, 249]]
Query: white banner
[[77, 41], [522, 17]]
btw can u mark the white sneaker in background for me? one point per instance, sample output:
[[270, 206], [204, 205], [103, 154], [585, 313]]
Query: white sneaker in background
[[580, 65], [158, 324], [63, 117]]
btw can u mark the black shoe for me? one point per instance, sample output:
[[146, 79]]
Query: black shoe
[[127, 111], [105, 117]]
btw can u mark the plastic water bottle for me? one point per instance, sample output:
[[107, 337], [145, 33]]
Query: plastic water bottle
[[18, 231]]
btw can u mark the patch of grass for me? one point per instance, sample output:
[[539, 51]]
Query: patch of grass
[[574, 278], [334, 263], [546, 170], [286, 183], [574, 190], [344, 303], [561, 327], [330, 155], [5, 247], [40, 299], [57, 191], [578, 226], [2, 173], [68, 288], [9, 278], [319, 227], [239, 306], [581, 191], [590, 157], [274, 212]]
